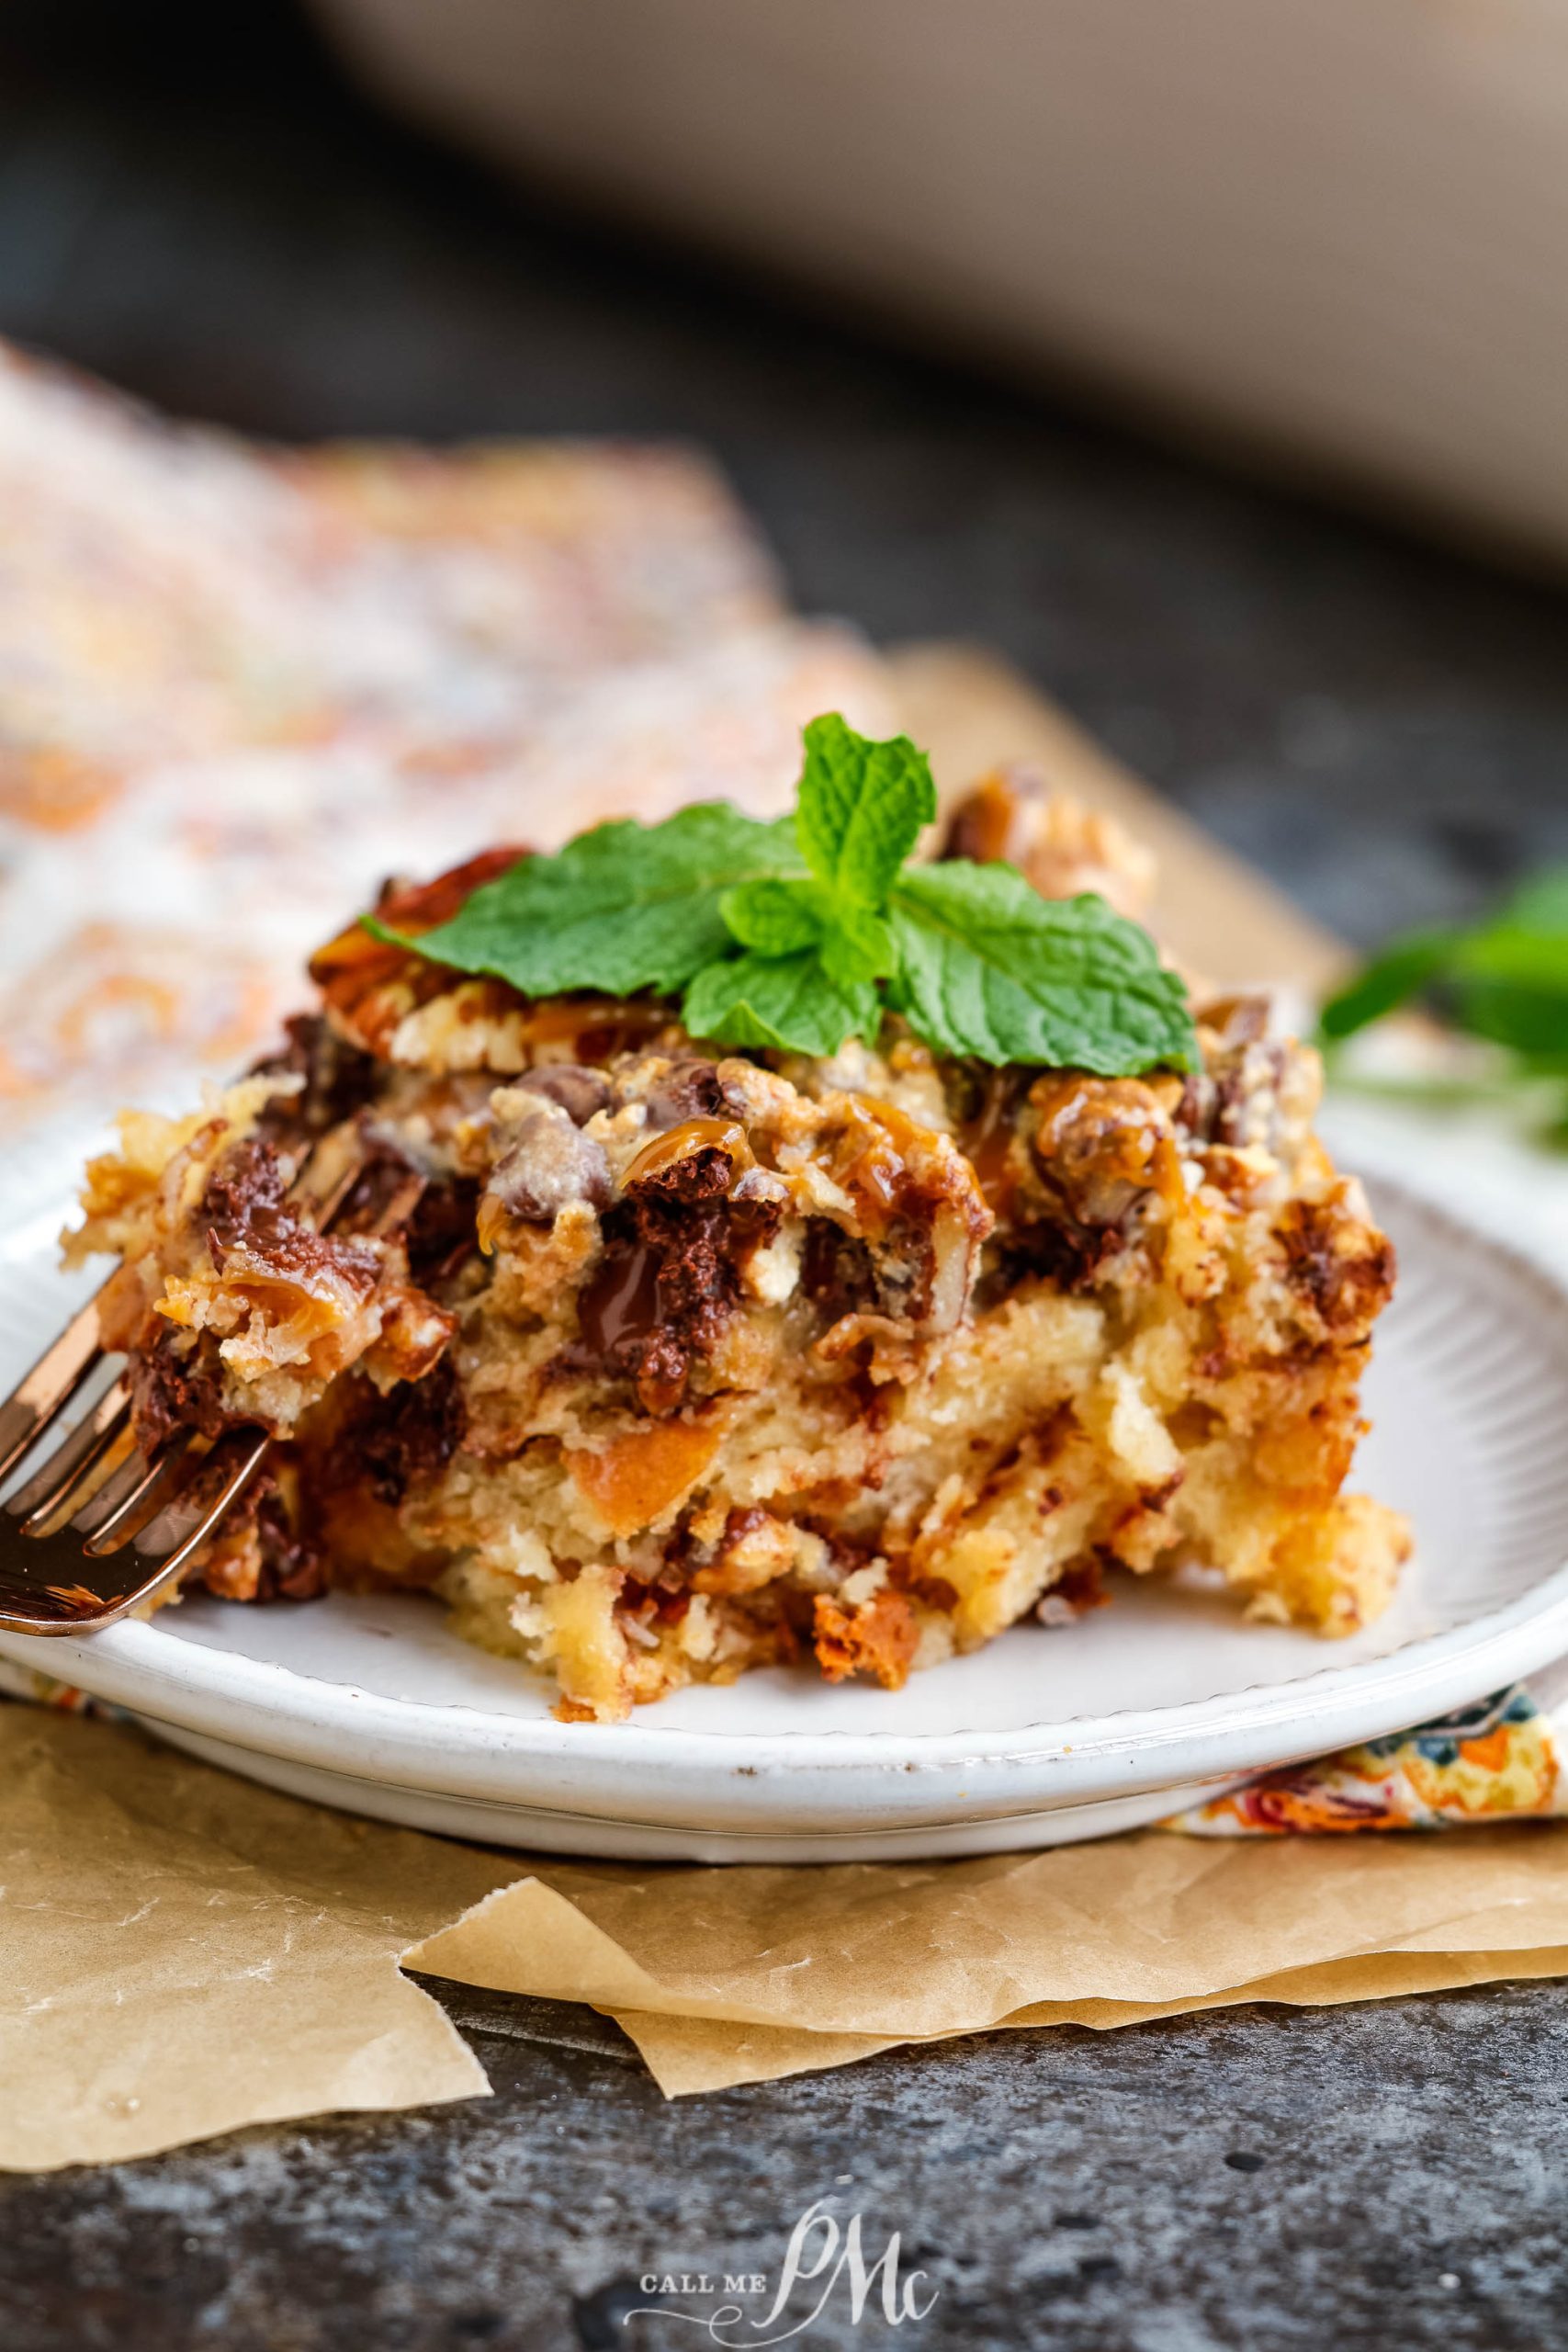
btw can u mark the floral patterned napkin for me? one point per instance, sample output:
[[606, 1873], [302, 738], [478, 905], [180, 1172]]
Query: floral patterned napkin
[[239, 687], [1500, 1759]]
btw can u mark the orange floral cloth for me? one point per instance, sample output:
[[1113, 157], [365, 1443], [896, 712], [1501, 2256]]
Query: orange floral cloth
[[1500, 1759]]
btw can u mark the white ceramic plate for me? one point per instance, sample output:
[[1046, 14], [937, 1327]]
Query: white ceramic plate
[[1044, 1736]]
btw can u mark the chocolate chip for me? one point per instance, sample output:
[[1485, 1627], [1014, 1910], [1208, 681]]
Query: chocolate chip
[[579, 1092], [408, 1435], [339, 1080], [690, 1089], [667, 1284], [246, 1212], [550, 1164]]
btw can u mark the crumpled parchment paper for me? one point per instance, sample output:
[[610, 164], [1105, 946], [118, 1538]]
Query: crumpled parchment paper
[[185, 1953]]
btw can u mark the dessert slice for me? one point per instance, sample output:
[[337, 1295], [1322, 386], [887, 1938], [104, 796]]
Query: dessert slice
[[767, 1249]]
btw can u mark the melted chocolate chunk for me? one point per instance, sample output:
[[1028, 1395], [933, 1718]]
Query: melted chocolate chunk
[[409, 1434], [843, 1276], [383, 1172], [1069, 1255], [340, 1080], [837, 1273], [245, 1193], [440, 1234], [1345, 1270], [288, 1565], [176, 1387], [245, 1209], [438, 1228], [668, 1280], [293, 1568]]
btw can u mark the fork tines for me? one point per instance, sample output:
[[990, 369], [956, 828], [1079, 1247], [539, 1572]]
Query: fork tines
[[98, 1526]]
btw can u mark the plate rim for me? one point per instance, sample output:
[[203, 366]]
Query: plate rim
[[642, 1769]]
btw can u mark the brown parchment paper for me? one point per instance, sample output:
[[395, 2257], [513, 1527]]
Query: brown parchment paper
[[181, 1953], [750, 1974]]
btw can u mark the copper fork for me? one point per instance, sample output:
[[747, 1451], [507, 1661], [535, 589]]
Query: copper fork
[[98, 1526]]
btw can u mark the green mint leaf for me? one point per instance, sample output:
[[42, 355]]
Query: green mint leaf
[[858, 945], [1401, 972], [786, 1001], [1541, 905], [625, 907], [1529, 1017], [1507, 952], [1509, 979], [1505, 978], [990, 969], [776, 918], [861, 809]]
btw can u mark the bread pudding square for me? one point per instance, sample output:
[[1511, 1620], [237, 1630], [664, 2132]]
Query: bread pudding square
[[656, 1359]]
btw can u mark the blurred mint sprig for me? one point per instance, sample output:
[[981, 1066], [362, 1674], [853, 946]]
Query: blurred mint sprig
[[1503, 979]]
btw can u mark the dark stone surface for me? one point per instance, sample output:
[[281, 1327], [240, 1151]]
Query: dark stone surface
[[1391, 2175], [190, 204]]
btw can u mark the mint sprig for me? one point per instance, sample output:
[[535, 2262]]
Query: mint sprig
[[798, 935], [859, 813], [623, 908], [1503, 979]]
